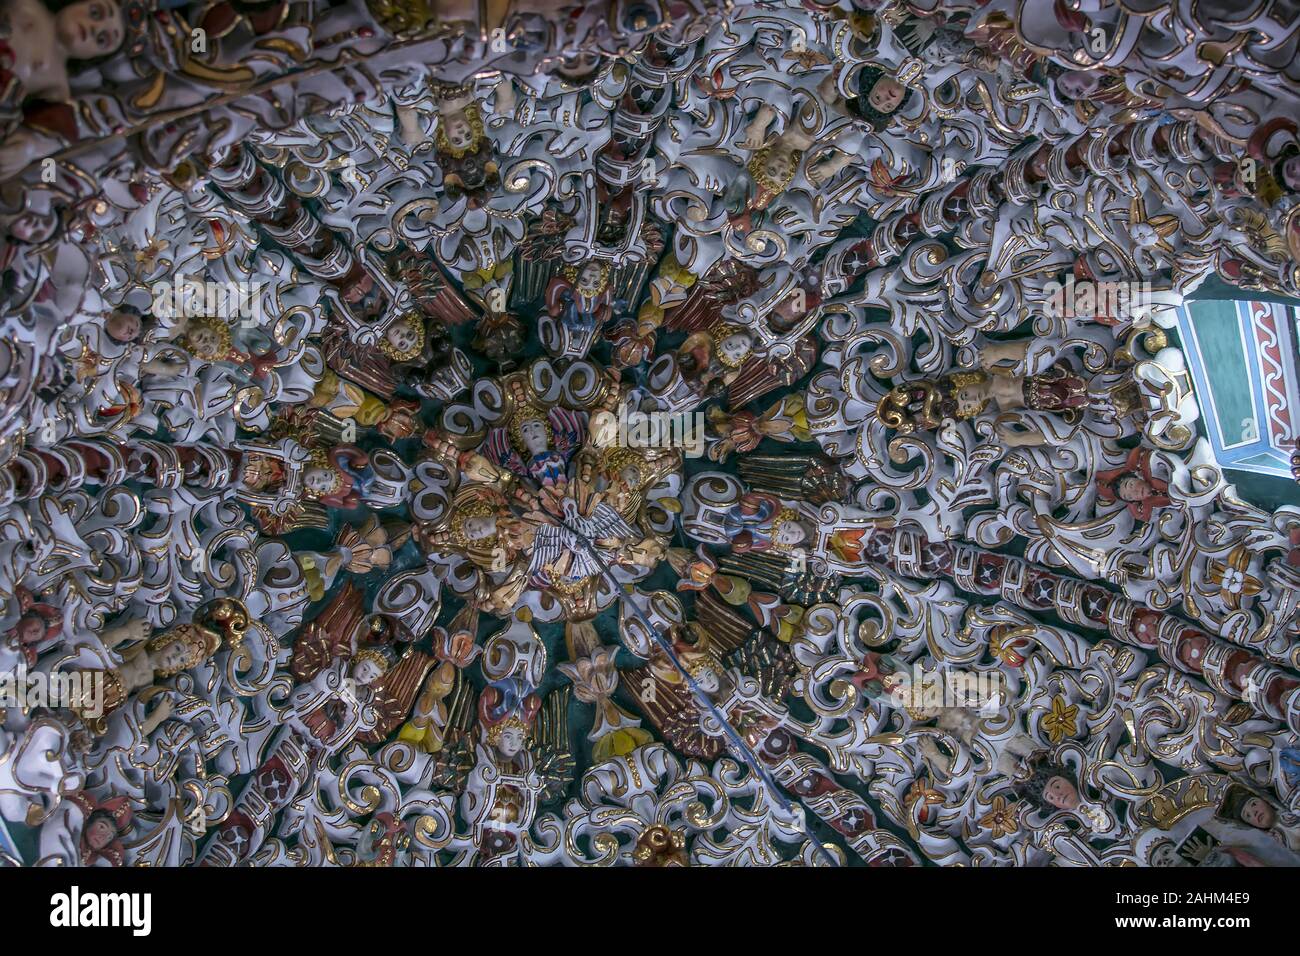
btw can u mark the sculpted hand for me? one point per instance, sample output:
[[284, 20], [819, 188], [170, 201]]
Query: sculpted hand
[[755, 136], [756, 130], [1018, 439], [160, 713], [20, 149], [411, 133], [133, 631], [820, 173]]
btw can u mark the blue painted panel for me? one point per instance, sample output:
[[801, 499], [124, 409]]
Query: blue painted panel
[[1228, 379]]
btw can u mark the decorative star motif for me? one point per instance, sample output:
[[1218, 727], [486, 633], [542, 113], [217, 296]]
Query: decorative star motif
[[1060, 722], [1002, 819]]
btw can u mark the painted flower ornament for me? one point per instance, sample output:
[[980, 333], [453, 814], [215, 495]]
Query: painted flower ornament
[[1231, 577]]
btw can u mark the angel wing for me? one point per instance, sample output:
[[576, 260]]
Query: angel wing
[[569, 427], [770, 662], [760, 375], [329, 635], [498, 450], [436, 297], [778, 572], [310, 427], [604, 522], [299, 515], [552, 751], [673, 711], [629, 279], [720, 625], [357, 363], [394, 694], [538, 257], [812, 478], [455, 760], [727, 282]]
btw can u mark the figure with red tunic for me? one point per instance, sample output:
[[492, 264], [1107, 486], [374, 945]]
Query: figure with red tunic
[[1059, 391], [768, 173], [106, 822], [211, 340], [537, 442], [761, 522], [1134, 486], [37, 44], [38, 627], [339, 702], [341, 477]]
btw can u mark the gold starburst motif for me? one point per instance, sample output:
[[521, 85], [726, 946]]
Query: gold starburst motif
[[1060, 722]]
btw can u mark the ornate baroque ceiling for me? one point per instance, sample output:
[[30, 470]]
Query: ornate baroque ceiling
[[649, 433]]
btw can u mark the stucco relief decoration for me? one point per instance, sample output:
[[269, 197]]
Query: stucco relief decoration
[[647, 433]]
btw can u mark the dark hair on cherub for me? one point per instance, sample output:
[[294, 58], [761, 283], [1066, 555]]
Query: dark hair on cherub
[[1042, 770]]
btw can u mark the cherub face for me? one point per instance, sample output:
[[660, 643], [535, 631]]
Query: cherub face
[[123, 326], [1133, 488], [173, 657], [458, 131], [1291, 173], [736, 346], [402, 335], [1060, 793], [1164, 855], [100, 833], [90, 29], [970, 399], [779, 165], [203, 341], [789, 533], [510, 742], [30, 629], [963, 723], [365, 672], [590, 275], [630, 475], [318, 479], [1258, 814], [31, 228], [707, 678], [1077, 84], [478, 528], [533, 434], [886, 94]]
